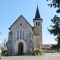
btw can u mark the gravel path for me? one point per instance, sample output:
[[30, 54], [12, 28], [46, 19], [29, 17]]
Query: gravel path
[[46, 56]]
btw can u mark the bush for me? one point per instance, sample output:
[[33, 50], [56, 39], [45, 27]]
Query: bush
[[4, 53], [54, 51], [37, 52]]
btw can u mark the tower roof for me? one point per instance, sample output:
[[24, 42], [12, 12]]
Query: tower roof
[[37, 15]]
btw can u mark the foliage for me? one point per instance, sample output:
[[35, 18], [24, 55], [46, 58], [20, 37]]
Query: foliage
[[55, 4], [54, 47], [37, 52], [55, 30], [4, 52], [56, 51]]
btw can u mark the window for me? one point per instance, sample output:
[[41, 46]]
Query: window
[[20, 23], [18, 34], [38, 23], [23, 34]]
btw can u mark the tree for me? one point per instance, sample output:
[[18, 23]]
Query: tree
[[55, 28], [55, 4]]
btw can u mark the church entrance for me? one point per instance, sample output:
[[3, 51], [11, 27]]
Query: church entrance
[[20, 48]]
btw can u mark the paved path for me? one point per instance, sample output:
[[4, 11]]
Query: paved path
[[46, 56]]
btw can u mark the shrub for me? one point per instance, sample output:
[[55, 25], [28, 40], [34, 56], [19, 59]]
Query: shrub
[[37, 52], [4, 53], [54, 51]]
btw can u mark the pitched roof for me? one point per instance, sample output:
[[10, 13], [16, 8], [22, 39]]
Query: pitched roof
[[17, 19]]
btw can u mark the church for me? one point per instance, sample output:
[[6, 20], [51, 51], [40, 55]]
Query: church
[[24, 38]]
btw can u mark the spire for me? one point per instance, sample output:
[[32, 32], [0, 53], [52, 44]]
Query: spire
[[37, 15]]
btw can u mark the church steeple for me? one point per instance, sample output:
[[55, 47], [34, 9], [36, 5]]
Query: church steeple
[[37, 20], [37, 15], [37, 30]]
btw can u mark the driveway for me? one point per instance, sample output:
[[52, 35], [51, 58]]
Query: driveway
[[46, 56]]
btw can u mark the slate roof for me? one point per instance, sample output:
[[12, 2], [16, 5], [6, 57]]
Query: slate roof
[[37, 15]]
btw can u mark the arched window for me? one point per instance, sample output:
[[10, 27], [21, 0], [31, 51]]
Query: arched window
[[38, 23], [21, 34], [17, 34]]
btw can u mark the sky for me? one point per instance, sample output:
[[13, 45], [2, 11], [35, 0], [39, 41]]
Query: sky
[[10, 10]]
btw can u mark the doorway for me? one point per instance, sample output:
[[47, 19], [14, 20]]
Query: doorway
[[20, 48]]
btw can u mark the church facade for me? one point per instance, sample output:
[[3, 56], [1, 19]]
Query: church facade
[[23, 38]]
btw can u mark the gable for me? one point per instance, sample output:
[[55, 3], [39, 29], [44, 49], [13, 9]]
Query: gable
[[19, 19]]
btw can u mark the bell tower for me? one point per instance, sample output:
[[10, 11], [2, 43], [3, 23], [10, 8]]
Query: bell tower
[[37, 29]]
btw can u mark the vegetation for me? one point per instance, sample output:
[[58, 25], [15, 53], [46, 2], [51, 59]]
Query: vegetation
[[37, 52], [4, 51], [55, 49], [55, 28], [55, 4]]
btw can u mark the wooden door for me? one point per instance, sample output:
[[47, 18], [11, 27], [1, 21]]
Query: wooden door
[[20, 48]]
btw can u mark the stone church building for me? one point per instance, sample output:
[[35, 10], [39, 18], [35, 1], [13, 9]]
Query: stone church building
[[24, 38]]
